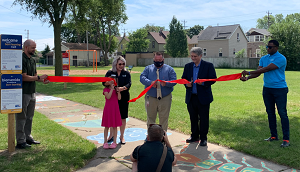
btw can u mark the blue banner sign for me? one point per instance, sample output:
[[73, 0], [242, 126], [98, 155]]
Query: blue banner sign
[[11, 42]]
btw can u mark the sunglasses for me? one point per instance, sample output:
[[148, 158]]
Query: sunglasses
[[270, 47], [121, 64]]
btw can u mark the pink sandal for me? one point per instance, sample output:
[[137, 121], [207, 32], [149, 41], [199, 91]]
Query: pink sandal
[[113, 146], [105, 146]]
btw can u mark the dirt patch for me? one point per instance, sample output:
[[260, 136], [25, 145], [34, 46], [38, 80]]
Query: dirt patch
[[78, 72]]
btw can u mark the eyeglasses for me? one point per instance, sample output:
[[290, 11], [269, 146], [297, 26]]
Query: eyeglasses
[[121, 64], [270, 47]]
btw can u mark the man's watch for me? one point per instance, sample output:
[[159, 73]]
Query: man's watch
[[124, 87], [38, 77]]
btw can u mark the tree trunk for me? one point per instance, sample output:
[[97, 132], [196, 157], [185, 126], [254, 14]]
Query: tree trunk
[[57, 45]]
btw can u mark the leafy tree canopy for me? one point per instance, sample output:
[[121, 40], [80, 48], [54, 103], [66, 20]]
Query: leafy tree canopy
[[195, 30], [176, 43], [287, 33], [152, 28], [138, 41]]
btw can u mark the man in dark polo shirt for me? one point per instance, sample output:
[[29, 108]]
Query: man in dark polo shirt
[[29, 76], [147, 156]]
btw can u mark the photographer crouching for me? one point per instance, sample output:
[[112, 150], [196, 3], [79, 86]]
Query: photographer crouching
[[155, 154]]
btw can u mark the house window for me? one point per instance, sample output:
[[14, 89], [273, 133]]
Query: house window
[[220, 52], [259, 38], [121, 46], [195, 45], [204, 52], [257, 53], [153, 44], [234, 51], [238, 36]]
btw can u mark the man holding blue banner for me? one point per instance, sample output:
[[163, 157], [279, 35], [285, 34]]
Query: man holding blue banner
[[29, 76]]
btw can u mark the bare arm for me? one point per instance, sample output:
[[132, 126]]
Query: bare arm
[[169, 145], [132, 159], [29, 78], [108, 94]]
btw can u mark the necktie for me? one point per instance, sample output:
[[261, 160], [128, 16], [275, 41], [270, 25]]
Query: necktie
[[158, 86]]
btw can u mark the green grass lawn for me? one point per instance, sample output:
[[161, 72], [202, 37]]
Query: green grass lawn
[[237, 115], [61, 149]]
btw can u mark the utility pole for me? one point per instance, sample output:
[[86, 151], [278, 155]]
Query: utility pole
[[27, 33], [268, 18], [124, 32], [87, 47], [184, 21]]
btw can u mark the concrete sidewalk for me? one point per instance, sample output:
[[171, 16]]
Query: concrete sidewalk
[[86, 122]]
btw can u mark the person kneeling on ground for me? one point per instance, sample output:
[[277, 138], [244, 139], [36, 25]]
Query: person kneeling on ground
[[147, 157]]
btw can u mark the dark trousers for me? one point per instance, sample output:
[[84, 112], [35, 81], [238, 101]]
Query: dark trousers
[[199, 117], [24, 119], [277, 96]]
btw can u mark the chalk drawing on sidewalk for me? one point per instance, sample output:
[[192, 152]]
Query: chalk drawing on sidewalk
[[47, 98], [215, 161], [87, 124], [130, 135]]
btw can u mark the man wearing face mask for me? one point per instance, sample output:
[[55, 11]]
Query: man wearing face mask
[[159, 98]]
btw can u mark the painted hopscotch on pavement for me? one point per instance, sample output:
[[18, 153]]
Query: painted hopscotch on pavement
[[130, 135], [212, 161]]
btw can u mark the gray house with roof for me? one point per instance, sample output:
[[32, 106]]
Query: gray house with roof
[[222, 41]]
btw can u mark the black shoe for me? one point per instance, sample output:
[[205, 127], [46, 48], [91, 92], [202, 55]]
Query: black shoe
[[285, 144], [191, 139], [30, 142], [110, 140], [23, 146], [203, 143], [123, 143], [271, 139]]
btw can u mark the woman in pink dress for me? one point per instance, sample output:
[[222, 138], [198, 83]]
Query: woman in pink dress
[[111, 114]]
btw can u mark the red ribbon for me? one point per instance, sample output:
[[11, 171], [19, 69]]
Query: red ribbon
[[222, 78], [179, 81], [74, 79], [184, 81]]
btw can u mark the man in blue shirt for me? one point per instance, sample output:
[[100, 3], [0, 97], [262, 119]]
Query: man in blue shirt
[[198, 96], [153, 102], [274, 91]]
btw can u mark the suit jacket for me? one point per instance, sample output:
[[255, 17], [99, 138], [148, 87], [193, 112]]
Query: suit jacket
[[206, 71]]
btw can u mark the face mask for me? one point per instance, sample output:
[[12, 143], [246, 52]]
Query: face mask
[[158, 64]]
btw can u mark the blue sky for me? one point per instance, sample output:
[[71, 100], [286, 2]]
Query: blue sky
[[14, 20]]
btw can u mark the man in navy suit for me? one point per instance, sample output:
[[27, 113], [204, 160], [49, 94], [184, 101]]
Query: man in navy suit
[[198, 96]]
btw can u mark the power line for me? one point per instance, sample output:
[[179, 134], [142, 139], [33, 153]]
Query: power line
[[14, 11]]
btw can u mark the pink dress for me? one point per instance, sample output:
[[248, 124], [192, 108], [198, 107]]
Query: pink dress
[[111, 114]]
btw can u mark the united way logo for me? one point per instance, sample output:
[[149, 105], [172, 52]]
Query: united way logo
[[17, 66], [17, 106]]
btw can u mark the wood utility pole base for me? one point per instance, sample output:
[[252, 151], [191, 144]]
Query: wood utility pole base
[[11, 132]]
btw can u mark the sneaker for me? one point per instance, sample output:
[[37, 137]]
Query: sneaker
[[285, 143], [105, 146], [113, 146], [271, 139]]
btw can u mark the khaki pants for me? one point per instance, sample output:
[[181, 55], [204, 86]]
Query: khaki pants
[[162, 107], [24, 119]]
